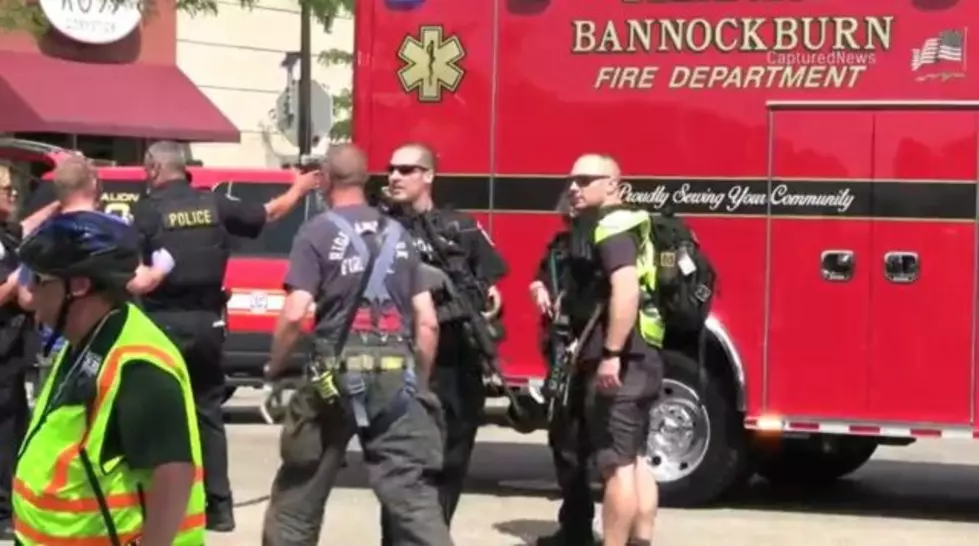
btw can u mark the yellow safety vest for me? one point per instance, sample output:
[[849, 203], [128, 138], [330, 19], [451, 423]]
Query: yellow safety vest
[[54, 501], [650, 324]]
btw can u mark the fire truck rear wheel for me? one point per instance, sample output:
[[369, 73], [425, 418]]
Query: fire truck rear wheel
[[696, 440], [814, 462]]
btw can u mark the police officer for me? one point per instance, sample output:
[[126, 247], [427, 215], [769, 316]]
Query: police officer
[[15, 334], [619, 371], [457, 377], [196, 227], [374, 342]]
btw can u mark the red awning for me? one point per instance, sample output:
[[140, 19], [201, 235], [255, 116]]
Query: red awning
[[41, 94]]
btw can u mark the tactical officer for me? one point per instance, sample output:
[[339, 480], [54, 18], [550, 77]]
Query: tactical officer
[[15, 332], [457, 377], [196, 227], [619, 370], [367, 371]]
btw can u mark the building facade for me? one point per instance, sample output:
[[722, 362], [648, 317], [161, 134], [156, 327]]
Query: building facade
[[236, 58], [109, 81], [104, 81]]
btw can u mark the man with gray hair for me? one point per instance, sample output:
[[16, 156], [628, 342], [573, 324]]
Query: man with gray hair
[[189, 302]]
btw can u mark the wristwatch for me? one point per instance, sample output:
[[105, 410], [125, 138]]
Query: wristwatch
[[609, 353]]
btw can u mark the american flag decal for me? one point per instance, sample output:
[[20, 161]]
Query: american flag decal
[[949, 45]]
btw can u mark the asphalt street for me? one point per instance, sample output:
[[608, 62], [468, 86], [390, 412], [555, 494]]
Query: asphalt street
[[923, 495]]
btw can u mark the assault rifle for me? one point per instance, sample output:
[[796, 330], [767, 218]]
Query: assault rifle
[[451, 259], [559, 339]]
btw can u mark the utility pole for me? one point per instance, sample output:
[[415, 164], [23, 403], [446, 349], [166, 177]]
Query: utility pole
[[305, 80]]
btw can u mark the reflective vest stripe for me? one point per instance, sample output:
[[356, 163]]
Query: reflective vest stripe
[[34, 535], [55, 504]]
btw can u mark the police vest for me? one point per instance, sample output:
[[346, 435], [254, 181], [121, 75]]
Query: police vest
[[650, 324], [379, 338], [10, 238], [194, 235], [63, 494]]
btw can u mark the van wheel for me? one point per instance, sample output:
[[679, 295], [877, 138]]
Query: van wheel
[[816, 461], [697, 443]]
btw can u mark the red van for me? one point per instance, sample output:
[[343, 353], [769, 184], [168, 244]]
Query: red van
[[255, 273]]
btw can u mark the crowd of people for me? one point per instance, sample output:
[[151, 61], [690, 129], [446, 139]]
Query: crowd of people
[[126, 441]]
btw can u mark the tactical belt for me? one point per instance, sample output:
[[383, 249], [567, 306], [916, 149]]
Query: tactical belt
[[365, 363]]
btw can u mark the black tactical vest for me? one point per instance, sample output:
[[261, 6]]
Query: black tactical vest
[[15, 323], [583, 274], [194, 235]]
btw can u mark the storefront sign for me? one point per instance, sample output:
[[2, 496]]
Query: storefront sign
[[93, 21]]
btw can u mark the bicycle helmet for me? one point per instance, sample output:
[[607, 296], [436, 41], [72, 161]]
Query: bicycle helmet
[[84, 244]]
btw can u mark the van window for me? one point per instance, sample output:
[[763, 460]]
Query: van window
[[276, 238], [118, 197]]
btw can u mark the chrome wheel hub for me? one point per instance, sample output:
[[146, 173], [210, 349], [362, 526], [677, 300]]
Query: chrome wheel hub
[[679, 433]]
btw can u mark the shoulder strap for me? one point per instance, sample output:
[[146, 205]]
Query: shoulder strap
[[375, 291], [360, 246]]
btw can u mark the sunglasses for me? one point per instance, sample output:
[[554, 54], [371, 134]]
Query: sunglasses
[[405, 170], [586, 179]]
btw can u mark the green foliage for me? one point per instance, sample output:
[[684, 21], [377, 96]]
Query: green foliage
[[342, 101], [17, 15]]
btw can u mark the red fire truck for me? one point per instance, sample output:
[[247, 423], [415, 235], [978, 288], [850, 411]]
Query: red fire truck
[[824, 151]]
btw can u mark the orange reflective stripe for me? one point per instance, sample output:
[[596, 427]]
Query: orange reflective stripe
[[59, 474], [22, 529], [54, 504], [51, 503]]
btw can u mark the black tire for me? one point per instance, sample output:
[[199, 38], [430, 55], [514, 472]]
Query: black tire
[[723, 464], [805, 462]]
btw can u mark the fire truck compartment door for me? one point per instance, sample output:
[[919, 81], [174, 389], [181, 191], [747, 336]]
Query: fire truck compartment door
[[820, 264], [922, 266]]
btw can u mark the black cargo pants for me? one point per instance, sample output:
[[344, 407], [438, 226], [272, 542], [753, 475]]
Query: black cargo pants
[[571, 450], [200, 338], [14, 415], [402, 460], [458, 382]]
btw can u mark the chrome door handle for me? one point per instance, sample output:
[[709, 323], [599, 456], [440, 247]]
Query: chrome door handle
[[837, 265], [901, 266]]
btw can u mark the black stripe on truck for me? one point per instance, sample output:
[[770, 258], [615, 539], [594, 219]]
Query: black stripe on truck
[[939, 200]]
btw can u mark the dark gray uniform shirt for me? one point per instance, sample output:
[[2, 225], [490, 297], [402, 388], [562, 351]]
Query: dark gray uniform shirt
[[325, 264]]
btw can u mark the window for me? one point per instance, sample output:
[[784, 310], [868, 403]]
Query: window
[[276, 238], [118, 197]]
